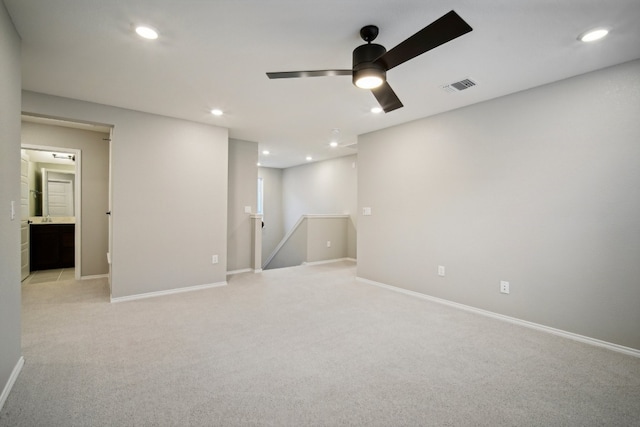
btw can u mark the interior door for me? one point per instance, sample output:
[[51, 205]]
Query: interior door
[[24, 216], [60, 194], [57, 193]]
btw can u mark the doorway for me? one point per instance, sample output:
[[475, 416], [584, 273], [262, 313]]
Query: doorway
[[53, 178], [64, 194]]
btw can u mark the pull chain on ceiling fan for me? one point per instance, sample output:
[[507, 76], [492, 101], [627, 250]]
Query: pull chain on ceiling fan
[[372, 61]]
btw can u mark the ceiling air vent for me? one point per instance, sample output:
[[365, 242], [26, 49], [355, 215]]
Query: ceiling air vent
[[458, 86]]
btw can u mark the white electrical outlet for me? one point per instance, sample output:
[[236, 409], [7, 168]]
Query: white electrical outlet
[[247, 209], [504, 287], [441, 270], [214, 259], [328, 243], [366, 211]]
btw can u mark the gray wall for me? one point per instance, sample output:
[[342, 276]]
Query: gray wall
[[273, 230], [94, 186], [294, 252], [317, 238], [243, 178], [540, 188], [169, 195], [323, 230], [327, 187], [10, 83]]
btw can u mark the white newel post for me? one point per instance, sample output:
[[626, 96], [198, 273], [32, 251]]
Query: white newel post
[[256, 238]]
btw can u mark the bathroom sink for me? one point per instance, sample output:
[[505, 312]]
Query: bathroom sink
[[39, 220]]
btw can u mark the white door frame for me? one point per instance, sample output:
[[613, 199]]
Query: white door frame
[[110, 220], [77, 198], [24, 219]]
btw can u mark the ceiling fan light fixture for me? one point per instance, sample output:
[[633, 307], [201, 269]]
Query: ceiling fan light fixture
[[368, 78], [369, 82], [366, 73]]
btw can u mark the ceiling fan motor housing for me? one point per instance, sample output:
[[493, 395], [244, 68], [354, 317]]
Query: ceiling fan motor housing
[[363, 65]]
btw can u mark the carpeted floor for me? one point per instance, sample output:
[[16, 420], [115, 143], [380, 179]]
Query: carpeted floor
[[301, 346]]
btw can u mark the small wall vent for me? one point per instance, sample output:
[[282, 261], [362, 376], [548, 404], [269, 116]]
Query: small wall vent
[[458, 86]]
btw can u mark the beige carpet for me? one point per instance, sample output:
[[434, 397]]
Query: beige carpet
[[301, 346]]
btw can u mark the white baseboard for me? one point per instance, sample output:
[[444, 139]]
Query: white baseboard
[[168, 292], [243, 270], [11, 381], [95, 276], [576, 337], [257, 270], [327, 261]]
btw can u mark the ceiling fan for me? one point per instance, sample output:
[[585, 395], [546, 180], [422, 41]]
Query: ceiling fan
[[372, 61]]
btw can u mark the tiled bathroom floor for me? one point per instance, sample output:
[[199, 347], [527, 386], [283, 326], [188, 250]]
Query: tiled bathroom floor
[[55, 275]]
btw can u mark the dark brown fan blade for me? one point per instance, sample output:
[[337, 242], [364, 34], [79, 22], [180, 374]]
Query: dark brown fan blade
[[441, 31], [313, 73], [386, 97]]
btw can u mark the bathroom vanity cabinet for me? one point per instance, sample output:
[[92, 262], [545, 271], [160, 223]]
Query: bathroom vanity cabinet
[[52, 246]]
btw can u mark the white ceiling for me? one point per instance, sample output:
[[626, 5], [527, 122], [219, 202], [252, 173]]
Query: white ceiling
[[214, 54]]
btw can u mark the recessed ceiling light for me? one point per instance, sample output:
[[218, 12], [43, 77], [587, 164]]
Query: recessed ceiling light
[[309, 158], [216, 112], [333, 143], [376, 110], [146, 32], [593, 35], [265, 152]]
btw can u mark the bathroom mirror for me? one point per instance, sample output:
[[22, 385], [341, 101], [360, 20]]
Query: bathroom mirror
[[58, 197]]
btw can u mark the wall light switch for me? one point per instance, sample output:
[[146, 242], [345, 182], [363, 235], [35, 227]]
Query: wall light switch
[[13, 210], [366, 211], [328, 243], [441, 270], [247, 209], [214, 259]]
